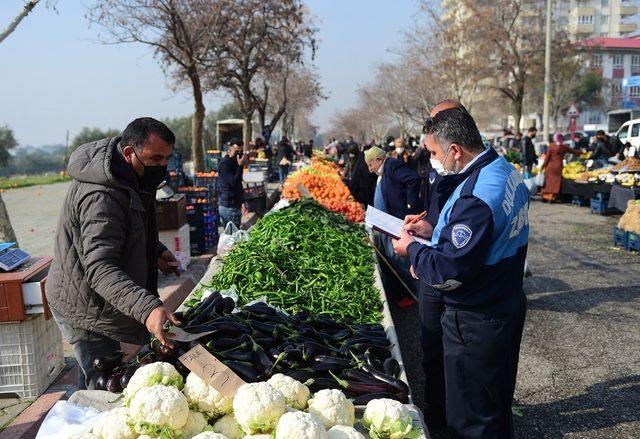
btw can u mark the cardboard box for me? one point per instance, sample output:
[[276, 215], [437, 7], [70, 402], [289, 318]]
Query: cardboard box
[[178, 241], [171, 213]]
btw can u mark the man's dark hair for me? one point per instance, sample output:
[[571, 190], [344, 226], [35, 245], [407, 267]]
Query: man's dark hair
[[456, 126], [532, 129], [518, 134], [601, 133], [236, 141], [138, 132]]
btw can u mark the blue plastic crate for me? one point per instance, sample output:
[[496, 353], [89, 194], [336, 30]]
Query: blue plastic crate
[[619, 237], [577, 200], [633, 242], [601, 196], [599, 206]]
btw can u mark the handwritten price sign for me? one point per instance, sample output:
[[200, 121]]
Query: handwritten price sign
[[212, 371]]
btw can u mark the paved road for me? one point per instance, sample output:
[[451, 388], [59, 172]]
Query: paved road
[[34, 214], [579, 373]]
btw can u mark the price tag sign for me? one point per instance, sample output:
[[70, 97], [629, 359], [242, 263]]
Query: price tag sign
[[212, 371], [303, 190]]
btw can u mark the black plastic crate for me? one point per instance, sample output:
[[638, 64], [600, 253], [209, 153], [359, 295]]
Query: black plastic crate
[[600, 207], [257, 205], [633, 242], [619, 237]]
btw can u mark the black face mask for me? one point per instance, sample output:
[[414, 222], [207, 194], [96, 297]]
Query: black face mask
[[153, 175]]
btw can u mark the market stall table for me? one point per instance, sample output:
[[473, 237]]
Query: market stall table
[[621, 195], [583, 190]]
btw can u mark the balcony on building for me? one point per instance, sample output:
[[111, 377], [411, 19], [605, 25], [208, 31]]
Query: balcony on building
[[626, 28], [626, 11]]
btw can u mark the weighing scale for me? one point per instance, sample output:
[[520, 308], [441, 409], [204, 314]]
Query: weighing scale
[[10, 258]]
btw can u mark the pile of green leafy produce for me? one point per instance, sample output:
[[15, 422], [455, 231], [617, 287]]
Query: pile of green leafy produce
[[305, 258]]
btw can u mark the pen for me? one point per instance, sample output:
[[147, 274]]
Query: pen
[[415, 220]]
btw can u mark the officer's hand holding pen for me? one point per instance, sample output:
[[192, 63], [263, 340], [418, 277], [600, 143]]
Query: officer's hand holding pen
[[417, 226]]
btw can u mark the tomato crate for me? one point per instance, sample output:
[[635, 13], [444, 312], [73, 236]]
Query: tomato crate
[[619, 237], [31, 356], [633, 242]]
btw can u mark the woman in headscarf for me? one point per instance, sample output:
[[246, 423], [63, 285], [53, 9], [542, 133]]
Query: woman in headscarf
[[552, 167]]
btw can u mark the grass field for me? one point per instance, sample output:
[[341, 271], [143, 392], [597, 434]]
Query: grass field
[[31, 180]]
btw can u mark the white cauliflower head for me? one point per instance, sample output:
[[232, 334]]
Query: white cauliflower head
[[150, 375], [295, 393], [203, 397], [389, 419], [332, 408], [114, 424], [300, 425], [209, 435], [196, 423], [258, 406], [344, 432], [228, 426], [159, 410]]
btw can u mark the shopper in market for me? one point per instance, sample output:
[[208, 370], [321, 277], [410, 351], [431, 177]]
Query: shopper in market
[[528, 151], [552, 167], [396, 193], [602, 149], [284, 158], [231, 198], [475, 260], [103, 283]]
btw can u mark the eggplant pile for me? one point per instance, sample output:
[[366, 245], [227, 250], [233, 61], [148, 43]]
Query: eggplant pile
[[259, 341]]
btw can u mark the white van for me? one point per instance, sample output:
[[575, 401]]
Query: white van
[[630, 132]]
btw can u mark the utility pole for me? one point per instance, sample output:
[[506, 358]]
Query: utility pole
[[547, 76]]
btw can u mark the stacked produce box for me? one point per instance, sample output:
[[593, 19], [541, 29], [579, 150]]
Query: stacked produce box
[[627, 233], [202, 216], [212, 159]]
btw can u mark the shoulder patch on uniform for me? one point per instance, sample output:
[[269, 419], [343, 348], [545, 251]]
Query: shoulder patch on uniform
[[460, 235]]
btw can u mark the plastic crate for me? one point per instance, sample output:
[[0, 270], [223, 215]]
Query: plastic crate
[[600, 196], [208, 182], [257, 205], [577, 200], [599, 206], [619, 237], [633, 242], [31, 356]]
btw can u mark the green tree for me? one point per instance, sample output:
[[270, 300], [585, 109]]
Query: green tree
[[588, 89], [89, 134], [7, 143]]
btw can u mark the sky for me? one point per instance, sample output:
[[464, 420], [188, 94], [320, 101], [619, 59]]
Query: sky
[[56, 76]]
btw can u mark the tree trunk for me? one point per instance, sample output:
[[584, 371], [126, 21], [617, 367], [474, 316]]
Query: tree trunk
[[197, 122], [6, 230]]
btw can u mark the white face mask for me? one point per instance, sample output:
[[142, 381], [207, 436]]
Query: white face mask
[[439, 167], [399, 151]]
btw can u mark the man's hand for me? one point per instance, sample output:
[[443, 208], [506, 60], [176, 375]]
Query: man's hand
[[400, 245], [243, 209], [167, 263], [420, 228], [156, 320]]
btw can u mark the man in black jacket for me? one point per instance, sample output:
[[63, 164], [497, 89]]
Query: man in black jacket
[[528, 150], [230, 180], [103, 283]]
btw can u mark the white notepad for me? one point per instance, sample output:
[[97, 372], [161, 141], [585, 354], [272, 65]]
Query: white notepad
[[387, 224]]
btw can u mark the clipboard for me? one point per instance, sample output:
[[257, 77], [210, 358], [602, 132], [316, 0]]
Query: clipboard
[[387, 224]]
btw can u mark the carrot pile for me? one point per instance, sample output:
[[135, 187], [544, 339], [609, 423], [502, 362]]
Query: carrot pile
[[323, 182]]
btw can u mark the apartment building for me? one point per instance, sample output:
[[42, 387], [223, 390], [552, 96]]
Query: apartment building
[[597, 18]]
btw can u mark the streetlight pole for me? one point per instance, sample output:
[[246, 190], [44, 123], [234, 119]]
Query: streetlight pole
[[547, 76]]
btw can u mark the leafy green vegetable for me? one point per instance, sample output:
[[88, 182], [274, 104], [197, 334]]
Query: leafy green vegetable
[[305, 258]]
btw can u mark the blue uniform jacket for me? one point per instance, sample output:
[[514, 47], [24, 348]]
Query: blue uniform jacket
[[479, 244], [400, 188]]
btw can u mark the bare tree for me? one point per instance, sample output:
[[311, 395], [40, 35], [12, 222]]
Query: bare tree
[[26, 10], [258, 34], [182, 34]]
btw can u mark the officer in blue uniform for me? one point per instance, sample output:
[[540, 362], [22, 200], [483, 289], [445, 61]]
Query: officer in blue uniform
[[476, 260]]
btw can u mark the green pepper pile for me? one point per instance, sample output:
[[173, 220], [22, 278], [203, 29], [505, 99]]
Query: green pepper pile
[[305, 258]]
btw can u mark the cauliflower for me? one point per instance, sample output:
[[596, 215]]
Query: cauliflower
[[205, 398], [300, 425], [258, 406], [344, 432], [257, 436], [228, 426], [84, 436], [295, 393], [209, 435], [332, 408], [389, 419], [150, 375], [196, 423], [159, 410], [114, 425]]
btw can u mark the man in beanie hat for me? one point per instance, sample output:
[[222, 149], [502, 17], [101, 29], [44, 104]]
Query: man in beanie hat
[[397, 193]]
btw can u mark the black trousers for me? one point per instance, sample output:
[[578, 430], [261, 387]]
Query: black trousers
[[481, 351]]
